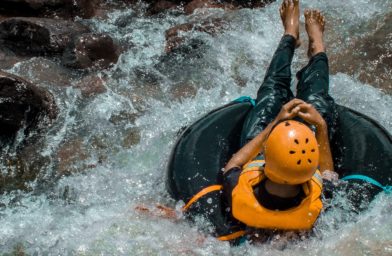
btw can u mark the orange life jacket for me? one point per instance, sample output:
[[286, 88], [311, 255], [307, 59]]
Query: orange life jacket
[[248, 210]]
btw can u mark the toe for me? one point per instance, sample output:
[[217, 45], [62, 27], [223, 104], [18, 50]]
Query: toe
[[306, 14]]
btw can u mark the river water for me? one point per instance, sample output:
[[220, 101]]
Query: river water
[[92, 212]]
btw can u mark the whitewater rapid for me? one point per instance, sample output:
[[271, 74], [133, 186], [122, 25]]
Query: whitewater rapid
[[93, 211]]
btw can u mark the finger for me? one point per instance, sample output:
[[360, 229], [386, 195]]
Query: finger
[[304, 116], [293, 113], [305, 107], [292, 103]]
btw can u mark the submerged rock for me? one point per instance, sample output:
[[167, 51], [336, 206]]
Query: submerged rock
[[91, 50], [38, 36], [49, 8], [91, 86], [43, 71], [175, 36], [131, 137], [69, 156], [26, 112]]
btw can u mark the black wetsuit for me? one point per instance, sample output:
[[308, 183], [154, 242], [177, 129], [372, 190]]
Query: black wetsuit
[[313, 86]]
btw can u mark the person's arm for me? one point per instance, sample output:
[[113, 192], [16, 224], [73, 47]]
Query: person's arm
[[310, 115], [255, 146], [250, 150], [325, 162]]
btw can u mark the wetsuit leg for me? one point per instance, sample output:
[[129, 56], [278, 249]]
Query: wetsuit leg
[[313, 87], [273, 93]]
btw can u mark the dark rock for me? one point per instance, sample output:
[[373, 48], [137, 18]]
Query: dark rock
[[26, 113], [22, 167], [190, 7], [251, 3], [49, 8], [91, 85], [38, 36], [8, 58], [125, 19], [91, 50], [174, 35], [23, 106], [161, 6], [369, 56]]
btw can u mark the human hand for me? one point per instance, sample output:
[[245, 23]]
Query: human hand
[[310, 115], [289, 110]]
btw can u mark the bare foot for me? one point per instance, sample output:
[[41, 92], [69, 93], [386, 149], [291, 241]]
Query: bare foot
[[289, 13], [314, 24]]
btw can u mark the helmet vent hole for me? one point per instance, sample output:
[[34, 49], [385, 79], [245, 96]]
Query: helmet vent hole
[[299, 162], [292, 152], [303, 151], [296, 141], [287, 124], [313, 150], [310, 161], [307, 140]]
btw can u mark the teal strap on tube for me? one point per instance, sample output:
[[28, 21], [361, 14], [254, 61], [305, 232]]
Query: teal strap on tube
[[387, 189], [246, 99]]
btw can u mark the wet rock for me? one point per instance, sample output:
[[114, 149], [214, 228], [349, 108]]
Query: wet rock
[[124, 117], [91, 50], [161, 6], [38, 36], [147, 83], [70, 154], [131, 137], [49, 8], [21, 167], [369, 56], [23, 107], [190, 7], [182, 91], [8, 58], [175, 35], [125, 19], [44, 71], [91, 86], [251, 3]]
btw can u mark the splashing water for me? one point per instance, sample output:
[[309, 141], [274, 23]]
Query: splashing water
[[92, 211]]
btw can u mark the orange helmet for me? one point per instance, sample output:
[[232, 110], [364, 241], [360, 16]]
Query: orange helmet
[[291, 153]]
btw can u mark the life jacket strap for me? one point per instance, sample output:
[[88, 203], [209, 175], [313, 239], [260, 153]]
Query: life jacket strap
[[200, 194], [387, 189], [232, 235]]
